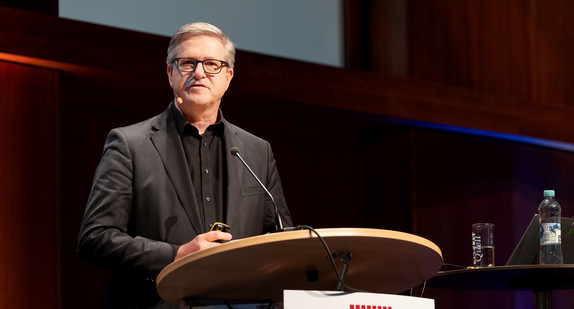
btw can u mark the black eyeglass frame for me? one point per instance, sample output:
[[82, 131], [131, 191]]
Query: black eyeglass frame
[[195, 62]]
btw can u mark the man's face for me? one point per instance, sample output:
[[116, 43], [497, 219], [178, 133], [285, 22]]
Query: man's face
[[199, 90]]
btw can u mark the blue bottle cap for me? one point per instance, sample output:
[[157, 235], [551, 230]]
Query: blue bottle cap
[[548, 193]]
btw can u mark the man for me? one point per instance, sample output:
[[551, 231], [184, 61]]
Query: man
[[161, 183]]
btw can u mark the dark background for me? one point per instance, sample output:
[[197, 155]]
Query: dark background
[[375, 144]]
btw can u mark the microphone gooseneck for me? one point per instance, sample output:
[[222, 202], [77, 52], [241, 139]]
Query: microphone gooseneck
[[278, 222]]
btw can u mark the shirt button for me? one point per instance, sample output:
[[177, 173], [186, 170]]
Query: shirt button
[[204, 144], [208, 199], [207, 171]]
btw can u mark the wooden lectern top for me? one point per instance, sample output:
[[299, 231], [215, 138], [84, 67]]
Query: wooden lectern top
[[261, 267]]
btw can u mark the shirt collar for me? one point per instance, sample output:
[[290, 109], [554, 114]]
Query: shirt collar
[[181, 122]]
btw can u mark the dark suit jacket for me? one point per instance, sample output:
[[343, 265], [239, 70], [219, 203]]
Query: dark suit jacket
[[142, 205]]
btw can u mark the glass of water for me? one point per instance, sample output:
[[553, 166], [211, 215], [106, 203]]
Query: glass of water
[[482, 245]]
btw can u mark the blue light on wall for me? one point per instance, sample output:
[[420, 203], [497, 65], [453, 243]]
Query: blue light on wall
[[497, 135]]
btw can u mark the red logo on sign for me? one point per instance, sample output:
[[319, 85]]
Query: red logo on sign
[[369, 307]]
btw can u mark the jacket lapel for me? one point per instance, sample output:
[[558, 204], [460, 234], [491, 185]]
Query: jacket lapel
[[235, 171], [166, 140]]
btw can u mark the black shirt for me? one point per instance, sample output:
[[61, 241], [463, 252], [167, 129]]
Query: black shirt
[[206, 163]]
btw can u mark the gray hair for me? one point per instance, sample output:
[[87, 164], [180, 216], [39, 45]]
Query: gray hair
[[198, 29]]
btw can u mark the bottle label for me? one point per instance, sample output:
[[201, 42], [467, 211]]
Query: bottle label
[[550, 234]]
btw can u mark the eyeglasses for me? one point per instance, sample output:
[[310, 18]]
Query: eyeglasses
[[210, 66]]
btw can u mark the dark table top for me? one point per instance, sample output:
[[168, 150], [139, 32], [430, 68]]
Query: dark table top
[[506, 278]]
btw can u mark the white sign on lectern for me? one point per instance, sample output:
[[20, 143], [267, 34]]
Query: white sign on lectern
[[297, 299]]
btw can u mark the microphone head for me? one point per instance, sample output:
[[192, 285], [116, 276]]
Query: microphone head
[[234, 150]]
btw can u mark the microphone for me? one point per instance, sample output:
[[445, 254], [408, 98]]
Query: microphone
[[278, 222]]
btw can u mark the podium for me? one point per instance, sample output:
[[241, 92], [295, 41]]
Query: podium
[[262, 267]]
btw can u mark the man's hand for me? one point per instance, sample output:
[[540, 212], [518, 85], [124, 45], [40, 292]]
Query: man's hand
[[200, 242]]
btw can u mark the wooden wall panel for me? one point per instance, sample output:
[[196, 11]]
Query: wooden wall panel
[[376, 37], [83, 132], [45, 6], [29, 187], [518, 48]]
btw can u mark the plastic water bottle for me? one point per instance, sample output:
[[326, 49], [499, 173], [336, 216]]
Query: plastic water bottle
[[550, 230]]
